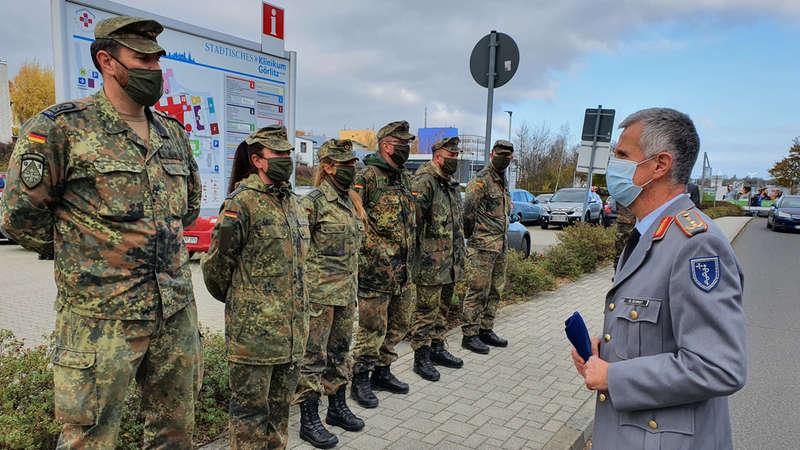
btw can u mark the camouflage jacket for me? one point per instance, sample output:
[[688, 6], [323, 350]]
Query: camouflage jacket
[[486, 208], [390, 240], [85, 186], [440, 246], [255, 265], [336, 233]]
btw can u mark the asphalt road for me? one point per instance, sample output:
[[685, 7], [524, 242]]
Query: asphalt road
[[764, 414]]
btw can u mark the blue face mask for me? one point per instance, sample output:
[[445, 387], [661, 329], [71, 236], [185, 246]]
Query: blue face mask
[[619, 180]]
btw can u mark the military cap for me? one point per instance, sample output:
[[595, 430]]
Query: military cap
[[398, 129], [136, 33], [272, 137], [449, 143], [340, 150], [503, 147]]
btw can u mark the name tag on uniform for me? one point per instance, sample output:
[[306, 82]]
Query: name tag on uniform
[[640, 302]]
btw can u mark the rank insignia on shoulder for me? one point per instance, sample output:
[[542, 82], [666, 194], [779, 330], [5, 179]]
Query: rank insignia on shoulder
[[705, 272], [690, 222], [37, 138], [61, 108], [662, 228], [230, 214], [31, 169]]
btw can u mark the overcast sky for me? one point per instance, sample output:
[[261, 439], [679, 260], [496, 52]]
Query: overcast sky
[[732, 65]]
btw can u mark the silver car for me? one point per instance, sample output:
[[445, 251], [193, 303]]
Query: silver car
[[566, 207]]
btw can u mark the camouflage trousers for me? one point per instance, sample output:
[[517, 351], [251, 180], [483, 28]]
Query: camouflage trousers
[[94, 362], [430, 316], [259, 408], [383, 321], [486, 279], [326, 364]]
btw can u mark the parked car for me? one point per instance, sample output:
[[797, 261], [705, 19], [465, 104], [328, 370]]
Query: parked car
[[544, 198], [609, 211], [518, 237], [784, 214], [526, 206], [566, 208]]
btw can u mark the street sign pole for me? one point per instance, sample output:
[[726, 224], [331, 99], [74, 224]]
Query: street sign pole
[[591, 160], [490, 98]]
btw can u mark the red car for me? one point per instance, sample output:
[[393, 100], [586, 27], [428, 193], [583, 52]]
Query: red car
[[197, 236]]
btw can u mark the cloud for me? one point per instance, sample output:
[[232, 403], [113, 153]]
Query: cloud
[[364, 63]]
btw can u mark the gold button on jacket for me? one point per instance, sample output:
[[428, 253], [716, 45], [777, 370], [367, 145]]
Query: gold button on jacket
[[633, 315], [652, 424], [607, 338], [611, 306], [601, 397]]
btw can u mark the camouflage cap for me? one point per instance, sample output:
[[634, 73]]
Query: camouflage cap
[[398, 129], [340, 150], [449, 143], [503, 147], [272, 137], [136, 33]]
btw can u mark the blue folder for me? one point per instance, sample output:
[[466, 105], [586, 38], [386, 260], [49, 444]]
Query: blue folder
[[578, 334]]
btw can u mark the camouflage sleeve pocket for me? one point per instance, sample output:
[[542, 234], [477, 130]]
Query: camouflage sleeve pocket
[[75, 386]]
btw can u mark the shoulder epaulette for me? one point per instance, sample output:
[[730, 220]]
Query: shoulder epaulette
[[663, 227], [315, 194], [62, 108], [239, 189], [690, 222]]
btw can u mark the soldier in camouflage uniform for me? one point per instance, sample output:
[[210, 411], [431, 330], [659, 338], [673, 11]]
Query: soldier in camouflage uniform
[[385, 294], [106, 185], [486, 209], [255, 265], [332, 284], [440, 256]]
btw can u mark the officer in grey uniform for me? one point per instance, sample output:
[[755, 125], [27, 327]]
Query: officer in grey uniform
[[673, 342]]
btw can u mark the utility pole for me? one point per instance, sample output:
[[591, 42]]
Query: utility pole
[[426, 117]]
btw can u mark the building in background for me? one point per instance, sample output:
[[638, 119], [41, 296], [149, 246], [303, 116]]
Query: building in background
[[305, 151], [429, 136], [5, 104]]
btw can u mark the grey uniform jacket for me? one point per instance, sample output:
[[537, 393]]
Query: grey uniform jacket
[[674, 337]]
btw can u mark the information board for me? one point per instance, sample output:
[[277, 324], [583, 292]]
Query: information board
[[221, 88]]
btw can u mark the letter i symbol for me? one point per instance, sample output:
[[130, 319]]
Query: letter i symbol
[[273, 22]]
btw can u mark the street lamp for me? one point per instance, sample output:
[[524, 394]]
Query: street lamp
[[509, 124]]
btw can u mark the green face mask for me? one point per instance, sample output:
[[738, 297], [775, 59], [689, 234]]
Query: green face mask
[[343, 178], [145, 86], [400, 155], [450, 166], [500, 163], [279, 169]]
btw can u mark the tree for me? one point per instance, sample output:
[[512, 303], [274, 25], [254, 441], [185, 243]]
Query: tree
[[32, 90], [544, 159], [787, 171]]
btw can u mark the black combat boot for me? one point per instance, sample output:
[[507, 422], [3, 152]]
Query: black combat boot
[[423, 366], [490, 338], [440, 356], [474, 344], [361, 391], [339, 414], [384, 380], [311, 428]]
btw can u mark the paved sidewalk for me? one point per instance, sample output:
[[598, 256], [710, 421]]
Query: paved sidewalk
[[517, 397]]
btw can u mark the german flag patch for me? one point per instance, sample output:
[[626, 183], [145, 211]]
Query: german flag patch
[[358, 186], [37, 138], [230, 214]]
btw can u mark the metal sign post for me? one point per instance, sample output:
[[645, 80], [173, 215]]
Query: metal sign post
[[503, 55], [603, 123]]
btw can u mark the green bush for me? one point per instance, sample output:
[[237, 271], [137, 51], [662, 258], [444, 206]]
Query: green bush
[[26, 400], [722, 209], [581, 249], [560, 262], [26, 397], [524, 276]]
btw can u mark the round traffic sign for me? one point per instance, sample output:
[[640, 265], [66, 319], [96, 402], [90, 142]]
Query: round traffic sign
[[506, 60]]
